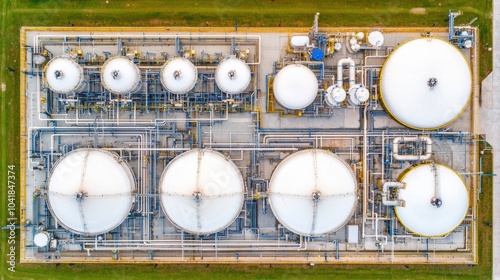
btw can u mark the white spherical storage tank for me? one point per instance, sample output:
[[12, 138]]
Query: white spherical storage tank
[[233, 75], [313, 192], [436, 200], [120, 75], [179, 75], [64, 75], [202, 191], [295, 86], [425, 83], [90, 191]]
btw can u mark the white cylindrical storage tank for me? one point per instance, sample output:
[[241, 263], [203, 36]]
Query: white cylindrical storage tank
[[64, 75], [90, 191], [202, 191], [179, 75], [295, 86], [435, 200], [120, 75], [425, 83], [313, 192], [232, 75]]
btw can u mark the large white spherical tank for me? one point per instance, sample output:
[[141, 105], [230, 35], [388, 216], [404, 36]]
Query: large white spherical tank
[[295, 86], [313, 192], [233, 76], [120, 75], [89, 191], [425, 83], [179, 75], [64, 75], [202, 191], [421, 216]]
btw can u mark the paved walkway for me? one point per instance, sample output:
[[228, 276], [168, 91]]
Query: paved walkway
[[490, 125]]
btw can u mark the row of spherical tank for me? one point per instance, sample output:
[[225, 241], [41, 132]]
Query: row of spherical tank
[[120, 75], [311, 193]]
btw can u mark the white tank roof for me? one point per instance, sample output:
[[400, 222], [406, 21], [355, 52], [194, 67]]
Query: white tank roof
[[125, 80], [90, 191], [419, 215], [202, 191], [295, 86], [425, 83], [179, 75], [232, 75], [63, 75], [301, 176]]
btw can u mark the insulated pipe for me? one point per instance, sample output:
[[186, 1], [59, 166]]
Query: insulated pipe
[[352, 73], [428, 148], [385, 194]]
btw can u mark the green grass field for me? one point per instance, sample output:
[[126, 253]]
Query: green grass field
[[260, 13]]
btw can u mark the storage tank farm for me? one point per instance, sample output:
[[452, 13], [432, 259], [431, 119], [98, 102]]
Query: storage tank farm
[[300, 146]]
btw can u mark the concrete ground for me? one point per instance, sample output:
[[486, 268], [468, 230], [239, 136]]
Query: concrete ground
[[490, 118]]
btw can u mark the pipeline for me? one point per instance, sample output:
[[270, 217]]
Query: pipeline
[[418, 156]]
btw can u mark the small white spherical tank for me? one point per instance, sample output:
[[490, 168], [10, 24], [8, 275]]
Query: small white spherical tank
[[360, 36], [202, 191], [421, 214], [89, 191], [41, 239], [376, 38], [120, 75], [425, 83], [179, 75], [313, 192], [233, 75], [295, 86], [64, 75]]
